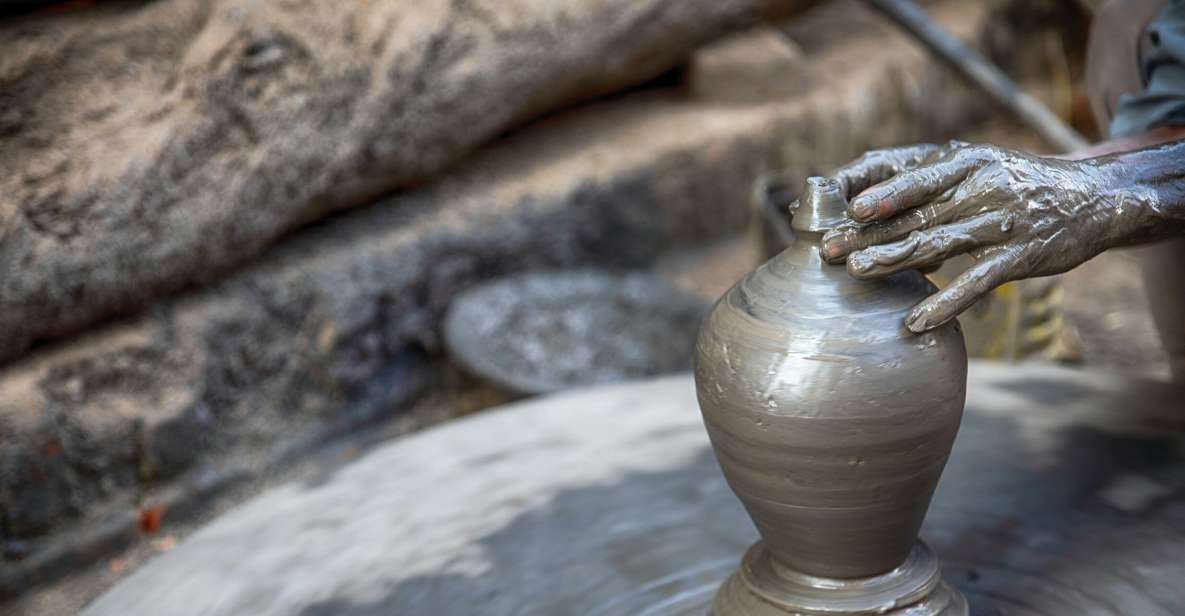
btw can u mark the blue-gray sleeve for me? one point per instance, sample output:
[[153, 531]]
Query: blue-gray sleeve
[[1162, 103]]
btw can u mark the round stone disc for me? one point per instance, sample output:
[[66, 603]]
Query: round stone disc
[[546, 331], [1065, 494]]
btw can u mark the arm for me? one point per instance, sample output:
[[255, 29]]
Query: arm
[[1156, 136], [1019, 215]]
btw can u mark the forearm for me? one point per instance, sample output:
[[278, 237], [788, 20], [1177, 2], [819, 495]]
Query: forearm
[[1156, 136], [1146, 194]]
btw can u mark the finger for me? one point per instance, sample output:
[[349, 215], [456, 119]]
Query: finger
[[979, 280], [930, 247], [862, 173], [846, 239], [879, 165], [910, 189]]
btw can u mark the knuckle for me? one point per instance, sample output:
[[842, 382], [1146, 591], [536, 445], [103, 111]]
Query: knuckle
[[951, 148], [930, 215], [985, 285], [975, 153], [967, 153], [930, 243], [873, 237], [877, 235], [903, 224]]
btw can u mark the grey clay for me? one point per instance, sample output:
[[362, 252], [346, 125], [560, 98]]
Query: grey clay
[[832, 423]]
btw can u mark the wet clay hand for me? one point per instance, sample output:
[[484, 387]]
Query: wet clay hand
[[1018, 215], [879, 165]]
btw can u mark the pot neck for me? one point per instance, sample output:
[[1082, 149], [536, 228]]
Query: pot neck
[[820, 208]]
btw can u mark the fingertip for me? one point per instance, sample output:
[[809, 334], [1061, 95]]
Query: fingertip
[[921, 319], [872, 205], [860, 264], [833, 248], [862, 209]]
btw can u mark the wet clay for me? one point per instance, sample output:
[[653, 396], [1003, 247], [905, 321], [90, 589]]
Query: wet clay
[[831, 422], [1019, 215], [764, 588]]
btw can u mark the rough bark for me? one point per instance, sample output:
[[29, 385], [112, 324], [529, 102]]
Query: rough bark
[[150, 147]]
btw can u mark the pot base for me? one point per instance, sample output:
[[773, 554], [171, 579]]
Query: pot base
[[763, 587]]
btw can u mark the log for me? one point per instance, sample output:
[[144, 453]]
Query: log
[[152, 147]]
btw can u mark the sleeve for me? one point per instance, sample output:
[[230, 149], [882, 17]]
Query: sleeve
[[1162, 102]]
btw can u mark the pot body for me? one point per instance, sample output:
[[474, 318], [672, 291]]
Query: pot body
[[832, 422]]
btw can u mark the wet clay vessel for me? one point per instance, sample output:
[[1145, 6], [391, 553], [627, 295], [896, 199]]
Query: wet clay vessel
[[832, 423]]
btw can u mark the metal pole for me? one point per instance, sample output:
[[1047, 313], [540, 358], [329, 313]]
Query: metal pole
[[982, 73]]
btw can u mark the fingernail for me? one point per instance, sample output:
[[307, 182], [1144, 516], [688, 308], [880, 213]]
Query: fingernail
[[834, 247], [916, 322], [862, 209], [859, 263]]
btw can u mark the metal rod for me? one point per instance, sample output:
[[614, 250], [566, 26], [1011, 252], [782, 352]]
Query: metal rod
[[982, 73]]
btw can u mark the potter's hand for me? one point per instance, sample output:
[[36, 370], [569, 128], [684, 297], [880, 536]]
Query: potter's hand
[[1018, 215], [877, 166]]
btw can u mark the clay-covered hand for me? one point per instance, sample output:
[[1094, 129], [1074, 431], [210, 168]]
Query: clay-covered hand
[[1017, 214], [876, 166]]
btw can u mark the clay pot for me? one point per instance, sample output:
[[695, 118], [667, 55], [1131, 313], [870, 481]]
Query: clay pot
[[832, 422]]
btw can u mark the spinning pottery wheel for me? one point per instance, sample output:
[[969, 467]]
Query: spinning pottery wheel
[[1064, 495]]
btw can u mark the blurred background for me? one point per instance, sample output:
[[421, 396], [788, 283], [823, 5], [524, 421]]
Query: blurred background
[[240, 241]]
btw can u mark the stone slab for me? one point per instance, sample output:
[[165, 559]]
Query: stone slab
[[1065, 495]]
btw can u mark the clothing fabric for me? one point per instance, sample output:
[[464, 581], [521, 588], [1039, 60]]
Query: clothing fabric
[[1135, 73], [1162, 71], [1113, 53], [1135, 79]]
